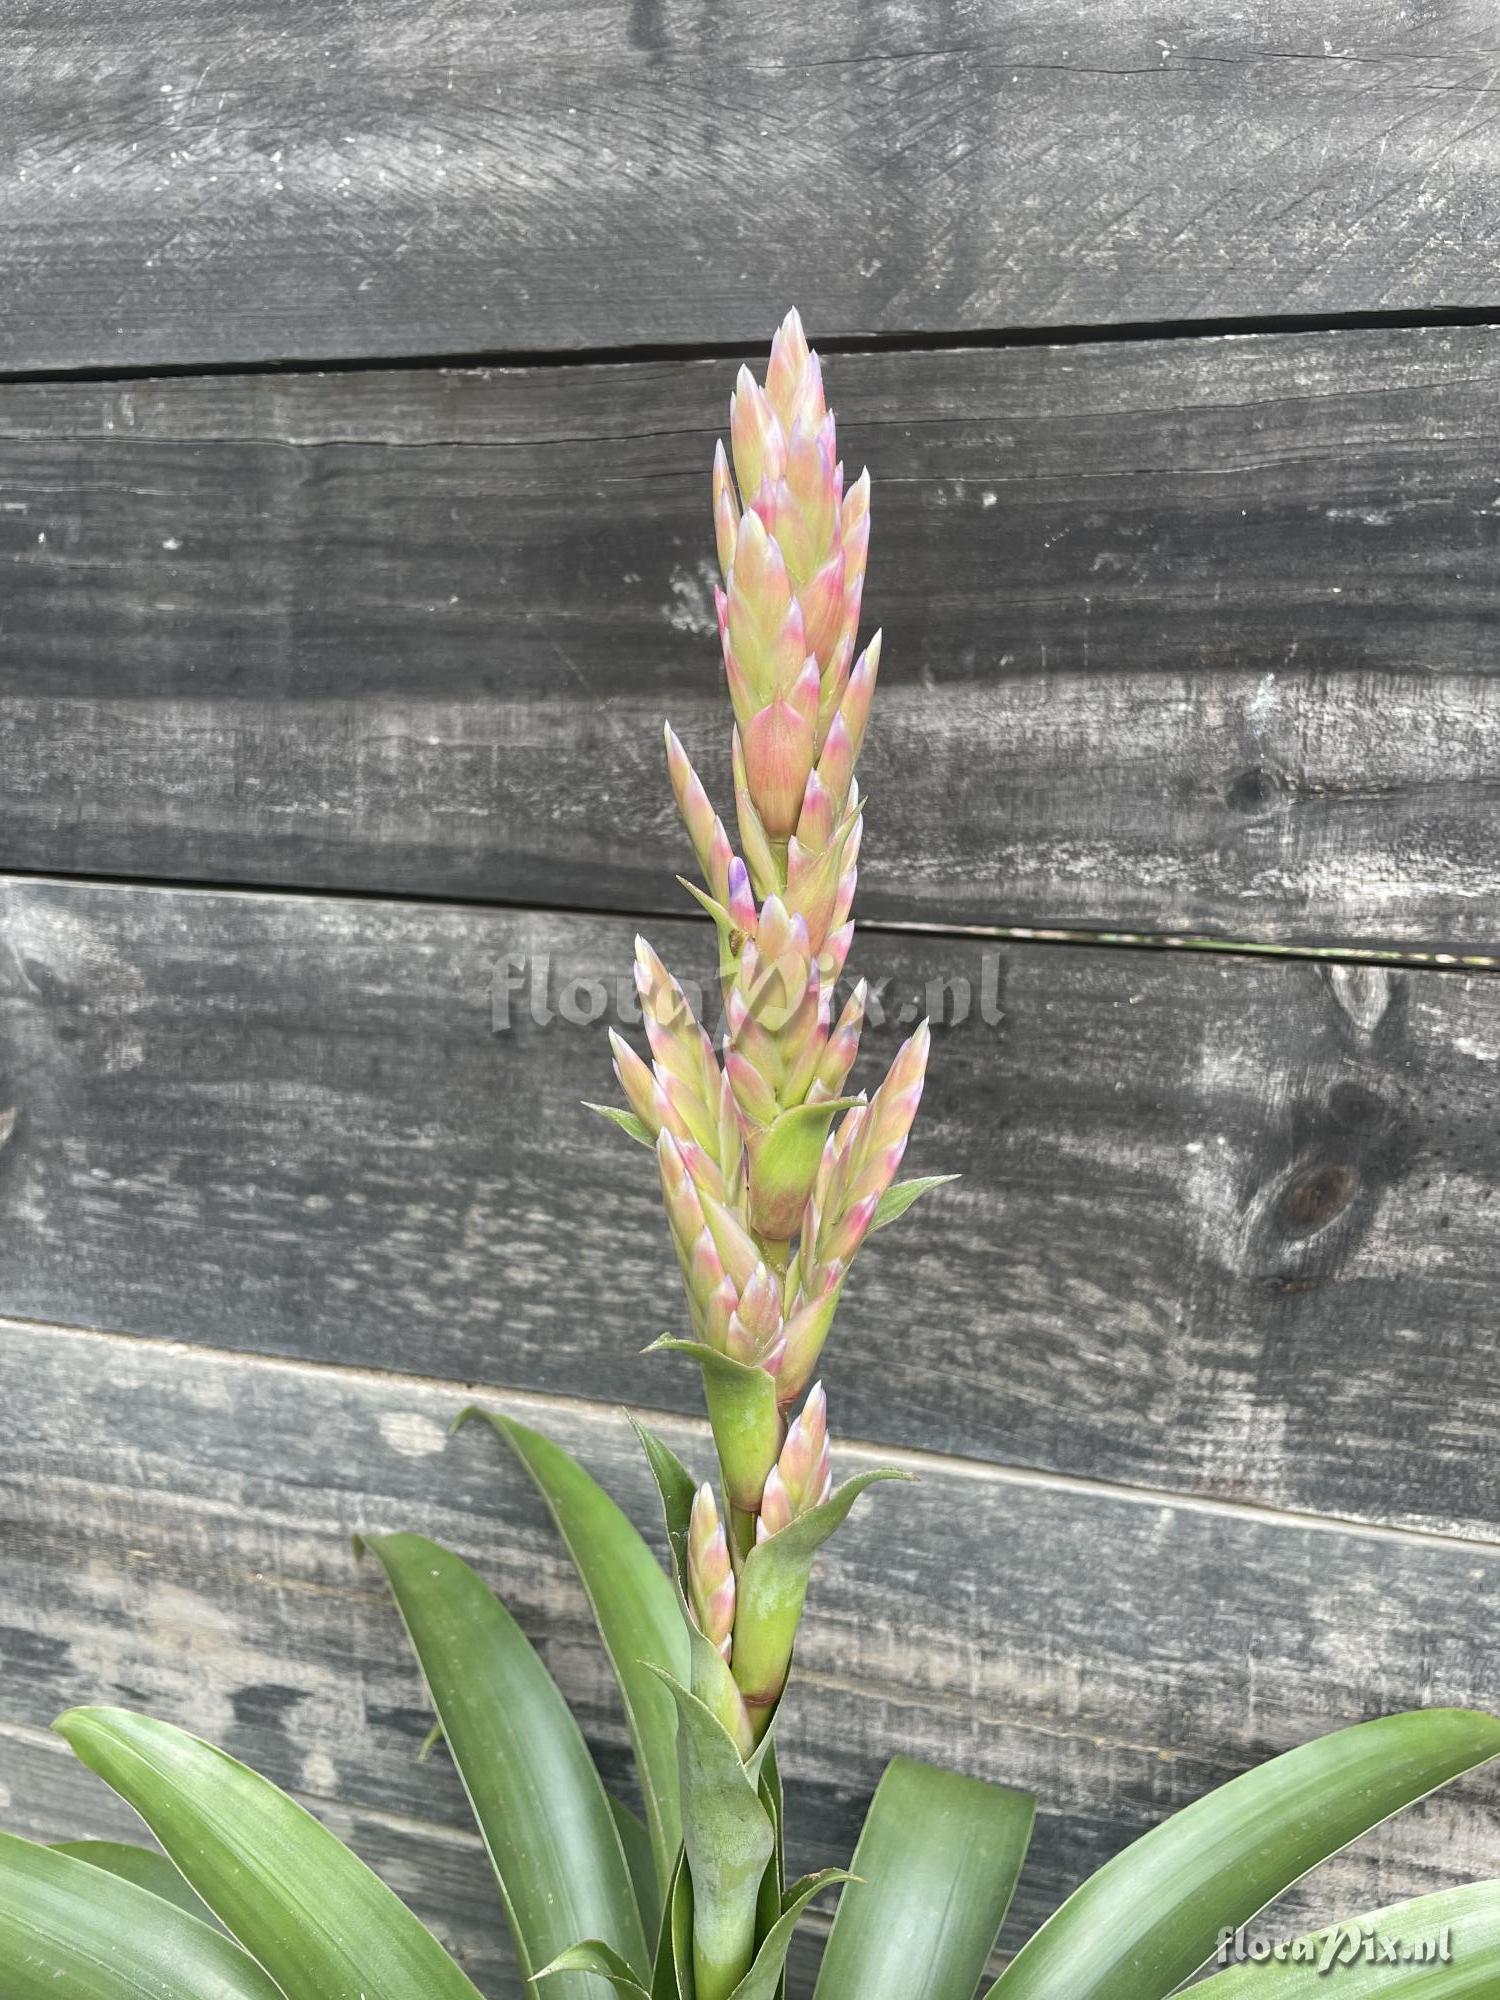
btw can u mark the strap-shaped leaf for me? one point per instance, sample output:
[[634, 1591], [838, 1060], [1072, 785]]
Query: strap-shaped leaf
[[635, 1606], [70, 1930], [1153, 1914], [763, 1980], [544, 1814], [323, 1926], [641, 1862], [936, 1867], [141, 1865], [1442, 1947]]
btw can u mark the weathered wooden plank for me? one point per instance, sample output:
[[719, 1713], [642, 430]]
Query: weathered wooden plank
[[176, 1534], [281, 181], [441, 1872], [1225, 1226], [1190, 636]]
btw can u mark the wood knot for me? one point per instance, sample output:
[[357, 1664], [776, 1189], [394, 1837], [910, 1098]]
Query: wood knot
[[1255, 791], [1315, 1199]]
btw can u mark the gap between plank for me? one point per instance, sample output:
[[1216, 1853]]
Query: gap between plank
[[1116, 332], [950, 1465], [1426, 959]]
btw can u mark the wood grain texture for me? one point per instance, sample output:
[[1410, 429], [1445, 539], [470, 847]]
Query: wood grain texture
[[207, 183], [177, 1532], [1226, 1227], [1194, 636]]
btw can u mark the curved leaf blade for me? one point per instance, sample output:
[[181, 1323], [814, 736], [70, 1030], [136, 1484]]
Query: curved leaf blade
[[937, 1863], [597, 1958], [1151, 1916], [763, 1980], [900, 1195], [635, 1607], [141, 1865], [1459, 1928], [321, 1923], [71, 1930], [544, 1815]]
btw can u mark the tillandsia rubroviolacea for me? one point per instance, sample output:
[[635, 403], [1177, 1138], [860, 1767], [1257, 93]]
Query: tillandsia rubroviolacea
[[772, 1177]]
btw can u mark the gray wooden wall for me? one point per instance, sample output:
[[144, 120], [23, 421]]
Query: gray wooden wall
[[361, 366]]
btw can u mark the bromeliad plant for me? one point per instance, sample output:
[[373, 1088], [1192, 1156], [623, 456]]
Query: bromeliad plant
[[772, 1174]]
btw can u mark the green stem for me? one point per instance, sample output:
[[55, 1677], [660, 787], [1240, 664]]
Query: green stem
[[742, 1529], [723, 1945]]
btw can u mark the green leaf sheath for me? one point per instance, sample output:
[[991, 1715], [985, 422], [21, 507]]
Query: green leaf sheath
[[1464, 1924], [1152, 1916], [141, 1865], [936, 1867], [729, 1840], [747, 1426], [639, 1618], [322, 1925], [545, 1816], [71, 1930]]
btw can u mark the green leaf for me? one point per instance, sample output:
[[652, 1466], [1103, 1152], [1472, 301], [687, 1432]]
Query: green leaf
[[636, 1609], [899, 1197], [1152, 1915], [673, 1976], [536, 1795], [1459, 1927], [323, 1926], [600, 1960], [639, 1859], [937, 1863], [769, 1906], [141, 1865], [763, 1980], [627, 1122], [728, 1839], [72, 1930], [773, 1585]]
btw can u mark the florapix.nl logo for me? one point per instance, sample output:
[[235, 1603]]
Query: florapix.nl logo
[[1338, 1947]]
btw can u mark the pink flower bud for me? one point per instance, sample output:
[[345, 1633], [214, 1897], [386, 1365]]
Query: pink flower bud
[[726, 513], [756, 435], [779, 747], [711, 1588], [802, 1477]]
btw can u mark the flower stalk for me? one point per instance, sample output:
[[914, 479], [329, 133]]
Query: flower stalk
[[772, 1171]]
